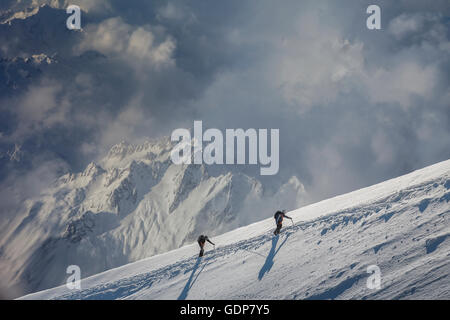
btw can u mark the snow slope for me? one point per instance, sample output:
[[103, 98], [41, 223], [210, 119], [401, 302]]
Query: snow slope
[[401, 225], [133, 204]]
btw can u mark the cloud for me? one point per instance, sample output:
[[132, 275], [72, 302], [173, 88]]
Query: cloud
[[402, 84], [406, 24], [353, 106], [138, 46], [176, 12], [22, 185], [40, 107], [314, 66], [349, 105]]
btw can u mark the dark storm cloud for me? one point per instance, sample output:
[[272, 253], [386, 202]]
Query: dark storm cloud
[[354, 106]]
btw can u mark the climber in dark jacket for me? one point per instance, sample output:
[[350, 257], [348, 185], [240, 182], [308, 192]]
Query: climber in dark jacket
[[279, 215], [201, 242]]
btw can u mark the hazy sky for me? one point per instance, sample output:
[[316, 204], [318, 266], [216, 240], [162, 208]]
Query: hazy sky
[[354, 106]]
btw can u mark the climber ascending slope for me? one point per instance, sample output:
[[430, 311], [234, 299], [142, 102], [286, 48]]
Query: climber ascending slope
[[279, 215], [201, 242]]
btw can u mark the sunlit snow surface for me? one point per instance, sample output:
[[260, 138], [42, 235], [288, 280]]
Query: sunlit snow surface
[[401, 225]]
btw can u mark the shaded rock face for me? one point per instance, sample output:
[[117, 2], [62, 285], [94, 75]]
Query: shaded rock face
[[80, 228]]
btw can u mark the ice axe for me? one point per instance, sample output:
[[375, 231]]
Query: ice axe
[[292, 221], [284, 211]]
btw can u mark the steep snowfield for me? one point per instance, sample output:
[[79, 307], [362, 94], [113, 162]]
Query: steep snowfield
[[401, 225], [133, 204]]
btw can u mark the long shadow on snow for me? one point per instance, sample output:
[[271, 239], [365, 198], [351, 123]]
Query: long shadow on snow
[[191, 281], [272, 253]]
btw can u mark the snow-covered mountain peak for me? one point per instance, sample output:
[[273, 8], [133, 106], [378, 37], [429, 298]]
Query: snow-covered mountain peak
[[150, 150], [24, 9], [8, 16], [40, 59], [131, 204]]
